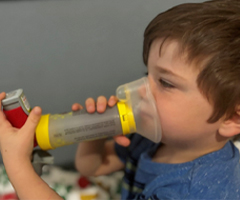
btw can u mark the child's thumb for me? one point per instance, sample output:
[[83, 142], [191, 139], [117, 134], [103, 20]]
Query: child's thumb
[[33, 120]]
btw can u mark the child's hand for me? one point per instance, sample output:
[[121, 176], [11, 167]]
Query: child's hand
[[16, 145], [101, 106]]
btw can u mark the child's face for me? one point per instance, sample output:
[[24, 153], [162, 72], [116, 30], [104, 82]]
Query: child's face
[[183, 110]]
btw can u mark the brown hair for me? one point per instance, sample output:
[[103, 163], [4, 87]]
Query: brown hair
[[209, 33]]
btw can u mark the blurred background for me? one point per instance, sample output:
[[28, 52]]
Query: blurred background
[[64, 51]]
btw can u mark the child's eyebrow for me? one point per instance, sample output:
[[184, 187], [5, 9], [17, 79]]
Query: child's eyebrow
[[169, 72]]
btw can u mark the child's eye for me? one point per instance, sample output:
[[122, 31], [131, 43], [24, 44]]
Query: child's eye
[[166, 84]]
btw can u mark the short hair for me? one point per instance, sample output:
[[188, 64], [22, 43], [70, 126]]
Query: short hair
[[209, 33]]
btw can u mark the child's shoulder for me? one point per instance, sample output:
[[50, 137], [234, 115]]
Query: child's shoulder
[[217, 182], [217, 175], [213, 176]]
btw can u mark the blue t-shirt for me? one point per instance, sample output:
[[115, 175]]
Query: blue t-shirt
[[212, 176]]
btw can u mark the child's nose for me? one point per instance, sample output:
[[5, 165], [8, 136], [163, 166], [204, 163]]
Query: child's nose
[[146, 89], [152, 87], [142, 92]]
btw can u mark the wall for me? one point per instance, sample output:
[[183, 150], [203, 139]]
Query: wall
[[61, 52]]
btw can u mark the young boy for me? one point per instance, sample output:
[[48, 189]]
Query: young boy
[[193, 61]]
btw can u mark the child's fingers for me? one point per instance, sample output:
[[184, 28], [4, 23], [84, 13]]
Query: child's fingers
[[2, 116], [32, 120], [112, 101], [3, 120], [90, 105], [77, 106], [122, 140], [101, 104], [2, 95]]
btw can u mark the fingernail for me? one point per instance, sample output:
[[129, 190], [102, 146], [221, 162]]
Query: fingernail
[[37, 110], [100, 108], [90, 108]]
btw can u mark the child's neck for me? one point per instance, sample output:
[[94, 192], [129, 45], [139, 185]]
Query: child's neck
[[173, 155]]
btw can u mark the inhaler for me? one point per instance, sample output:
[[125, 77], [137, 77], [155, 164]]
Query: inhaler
[[16, 109], [135, 112]]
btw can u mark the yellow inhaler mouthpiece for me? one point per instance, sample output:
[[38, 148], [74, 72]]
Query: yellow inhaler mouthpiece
[[42, 133], [126, 118]]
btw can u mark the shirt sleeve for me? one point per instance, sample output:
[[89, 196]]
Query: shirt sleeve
[[121, 152], [138, 145]]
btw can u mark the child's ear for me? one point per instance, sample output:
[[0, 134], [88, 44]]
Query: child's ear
[[231, 127]]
